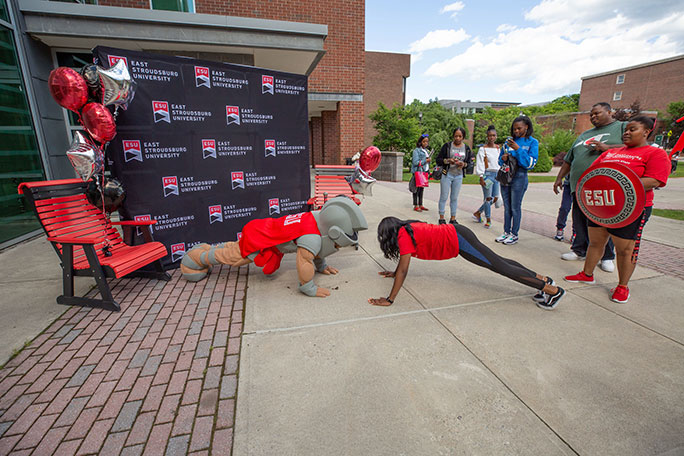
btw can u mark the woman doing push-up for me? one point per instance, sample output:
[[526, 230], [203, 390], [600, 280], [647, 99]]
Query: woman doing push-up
[[402, 239]]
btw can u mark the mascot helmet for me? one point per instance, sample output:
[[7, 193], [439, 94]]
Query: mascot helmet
[[339, 221]]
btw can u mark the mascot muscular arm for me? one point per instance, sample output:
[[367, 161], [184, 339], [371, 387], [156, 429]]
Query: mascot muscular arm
[[312, 235]]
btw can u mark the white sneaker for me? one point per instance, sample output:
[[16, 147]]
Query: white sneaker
[[571, 256], [510, 240], [607, 265], [502, 238]]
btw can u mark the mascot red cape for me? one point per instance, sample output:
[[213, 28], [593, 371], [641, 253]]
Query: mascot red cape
[[312, 235]]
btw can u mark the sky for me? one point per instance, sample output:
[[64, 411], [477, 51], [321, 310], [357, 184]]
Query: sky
[[522, 51]]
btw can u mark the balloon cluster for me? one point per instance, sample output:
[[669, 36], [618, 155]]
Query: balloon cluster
[[360, 179], [88, 93]]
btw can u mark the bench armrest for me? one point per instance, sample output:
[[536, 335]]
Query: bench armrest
[[75, 239], [134, 222]]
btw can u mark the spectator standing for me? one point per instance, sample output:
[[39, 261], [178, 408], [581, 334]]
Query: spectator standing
[[563, 211], [420, 162], [652, 165], [607, 133], [486, 166], [525, 150], [453, 158]]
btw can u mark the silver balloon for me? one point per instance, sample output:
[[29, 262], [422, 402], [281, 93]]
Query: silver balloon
[[118, 88], [361, 182], [85, 157]]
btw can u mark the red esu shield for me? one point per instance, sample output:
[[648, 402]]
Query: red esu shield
[[611, 195]]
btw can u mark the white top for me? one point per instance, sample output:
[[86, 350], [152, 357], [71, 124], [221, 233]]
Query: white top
[[492, 154]]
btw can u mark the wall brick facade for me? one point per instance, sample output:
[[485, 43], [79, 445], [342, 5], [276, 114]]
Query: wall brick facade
[[654, 85], [385, 73], [340, 71]]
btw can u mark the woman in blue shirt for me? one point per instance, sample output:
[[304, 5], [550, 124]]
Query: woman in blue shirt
[[524, 149], [420, 162]]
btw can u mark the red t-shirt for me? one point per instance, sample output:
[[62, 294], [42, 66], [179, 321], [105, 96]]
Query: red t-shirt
[[433, 242], [646, 161]]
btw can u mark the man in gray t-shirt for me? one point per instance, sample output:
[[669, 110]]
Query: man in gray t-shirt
[[606, 134]]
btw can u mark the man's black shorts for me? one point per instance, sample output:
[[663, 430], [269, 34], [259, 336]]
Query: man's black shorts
[[630, 231]]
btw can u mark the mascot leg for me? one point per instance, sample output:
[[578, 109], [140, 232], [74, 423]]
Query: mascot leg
[[197, 262]]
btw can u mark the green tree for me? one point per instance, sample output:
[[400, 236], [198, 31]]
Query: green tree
[[675, 111], [398, 129], [557, 144]]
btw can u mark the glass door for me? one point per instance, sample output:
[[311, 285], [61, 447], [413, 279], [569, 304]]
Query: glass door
[[19, 155]]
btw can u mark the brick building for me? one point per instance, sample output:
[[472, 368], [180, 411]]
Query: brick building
[[386, 75], [653, 84]]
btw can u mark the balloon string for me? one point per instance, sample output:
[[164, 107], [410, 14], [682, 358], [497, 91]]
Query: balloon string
[[105, 245]]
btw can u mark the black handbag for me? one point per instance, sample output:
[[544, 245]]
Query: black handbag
[[436, 173], [412, 184], [507, 171]]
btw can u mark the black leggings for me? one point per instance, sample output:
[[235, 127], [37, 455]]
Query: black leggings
[[418, 196], [470, 248]]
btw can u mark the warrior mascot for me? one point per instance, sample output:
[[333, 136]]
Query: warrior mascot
[[313, 235]]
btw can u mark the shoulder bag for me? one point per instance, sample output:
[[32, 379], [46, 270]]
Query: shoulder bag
[[507, 171]]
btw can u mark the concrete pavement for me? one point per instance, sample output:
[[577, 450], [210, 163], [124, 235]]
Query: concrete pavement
[[463, 362]]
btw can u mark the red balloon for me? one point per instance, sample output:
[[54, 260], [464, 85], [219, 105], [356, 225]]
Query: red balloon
[[370, 159], [99, 122], [68, 88]]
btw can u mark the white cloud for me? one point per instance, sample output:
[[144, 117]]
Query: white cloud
[[568, 40], [438, 39], [452, 8]]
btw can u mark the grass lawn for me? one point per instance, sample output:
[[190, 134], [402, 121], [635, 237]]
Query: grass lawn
[[669, 213]]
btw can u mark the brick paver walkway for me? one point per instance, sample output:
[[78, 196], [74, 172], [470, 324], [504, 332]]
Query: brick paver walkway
[[159, 377]]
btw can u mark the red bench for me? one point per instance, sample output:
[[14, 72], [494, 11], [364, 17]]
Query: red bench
[[329, 182], [78, 231]]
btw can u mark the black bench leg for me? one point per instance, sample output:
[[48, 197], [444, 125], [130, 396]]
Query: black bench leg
[[68, 270], [107, 302]]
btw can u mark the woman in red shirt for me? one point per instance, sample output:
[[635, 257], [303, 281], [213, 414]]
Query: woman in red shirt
[[402, 239], [652, 165]]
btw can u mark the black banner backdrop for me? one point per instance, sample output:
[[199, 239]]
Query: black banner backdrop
[[205, 147]]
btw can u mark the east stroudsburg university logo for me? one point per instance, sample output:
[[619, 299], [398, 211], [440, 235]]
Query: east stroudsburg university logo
[[215, 214], [177, 251], [142, 218], [269, 148], [113, 59], [202, 77], [233, 115], [266, 84], [208, 148], [273, 206], [161, 111], [170, 184], [132, 150], [237, 179]]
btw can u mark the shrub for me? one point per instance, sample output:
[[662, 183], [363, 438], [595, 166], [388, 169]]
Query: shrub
[[543, 162]]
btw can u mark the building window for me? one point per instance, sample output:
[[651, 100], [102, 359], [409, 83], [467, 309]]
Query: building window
[[620, 79], [76, 61], [19, 156], [184, 6], [84, 2], [617, 96]]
